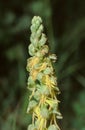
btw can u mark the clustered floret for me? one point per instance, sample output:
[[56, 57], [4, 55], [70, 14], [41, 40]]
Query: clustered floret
[[43, 103]]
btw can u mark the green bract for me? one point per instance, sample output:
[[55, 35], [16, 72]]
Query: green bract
[[43, 103]]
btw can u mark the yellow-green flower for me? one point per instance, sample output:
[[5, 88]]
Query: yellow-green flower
[[43, 103], [31, 62]]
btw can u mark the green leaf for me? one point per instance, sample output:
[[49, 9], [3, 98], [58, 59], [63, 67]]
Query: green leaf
[[80, 79]]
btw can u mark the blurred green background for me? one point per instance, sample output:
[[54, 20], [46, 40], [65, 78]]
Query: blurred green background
[[64, 22]]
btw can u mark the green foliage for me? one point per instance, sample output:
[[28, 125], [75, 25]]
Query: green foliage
[[65, 26], [79, 109]]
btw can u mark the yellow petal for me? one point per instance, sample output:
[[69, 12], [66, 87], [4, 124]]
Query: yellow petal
[[34, 74], [33, 61], [46, 79], [37, 111], [43, 66]]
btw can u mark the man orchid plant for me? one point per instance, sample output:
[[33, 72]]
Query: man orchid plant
[[42, 82]]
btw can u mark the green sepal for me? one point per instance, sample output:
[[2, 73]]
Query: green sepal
[[31, 50], [53, 57], [42, 40], [52, 127], [43, 90], [31, 127], [37, 95], [48, 70], [36, 18], [31, 105], [30, 81], [39, 76], [44, 112]]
